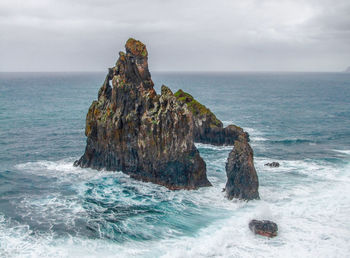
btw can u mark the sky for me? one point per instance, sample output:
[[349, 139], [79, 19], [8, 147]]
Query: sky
[[180, 35]]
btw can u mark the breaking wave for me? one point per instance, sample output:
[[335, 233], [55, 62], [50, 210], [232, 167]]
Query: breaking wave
[[108, 213]]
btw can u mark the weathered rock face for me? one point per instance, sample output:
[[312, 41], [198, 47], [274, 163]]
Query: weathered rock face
[[207, 128], [263, 227], [132, 129], [242, 180]]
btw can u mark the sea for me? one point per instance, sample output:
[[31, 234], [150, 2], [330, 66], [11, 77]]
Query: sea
[[49, 208]]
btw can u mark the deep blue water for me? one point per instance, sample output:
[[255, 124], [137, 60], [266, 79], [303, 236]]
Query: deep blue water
[[49, 208]]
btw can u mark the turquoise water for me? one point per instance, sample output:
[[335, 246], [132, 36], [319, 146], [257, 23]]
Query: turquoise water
[[49, 208]]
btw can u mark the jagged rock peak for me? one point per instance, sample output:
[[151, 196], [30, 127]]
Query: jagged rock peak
[[136, 48], [132, 66], [133, 129]]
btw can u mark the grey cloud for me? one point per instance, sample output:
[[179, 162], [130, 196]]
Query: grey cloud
[[195, 35]]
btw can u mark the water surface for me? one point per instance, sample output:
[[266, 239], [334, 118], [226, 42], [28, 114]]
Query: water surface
[[49, 208]]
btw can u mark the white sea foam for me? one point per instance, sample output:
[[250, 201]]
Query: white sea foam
[[347, 152], [312, 224], [212, 147], [308, 199], [61, 169], [255, 135]]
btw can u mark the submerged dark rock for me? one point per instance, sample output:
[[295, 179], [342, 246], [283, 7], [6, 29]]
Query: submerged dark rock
[[263, 227], [242, 179], [207, 127], [133, 129], [272, 164]]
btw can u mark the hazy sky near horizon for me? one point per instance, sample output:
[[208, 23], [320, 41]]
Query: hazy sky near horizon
[[181, 35]]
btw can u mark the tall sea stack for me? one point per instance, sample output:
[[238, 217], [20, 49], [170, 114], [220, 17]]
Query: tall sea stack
[[132, 129], [242, 179]]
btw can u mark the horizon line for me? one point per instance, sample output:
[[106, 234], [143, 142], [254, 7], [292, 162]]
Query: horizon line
[[184, 71]]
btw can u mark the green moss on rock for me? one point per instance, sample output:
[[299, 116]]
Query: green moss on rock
[[197, 108]]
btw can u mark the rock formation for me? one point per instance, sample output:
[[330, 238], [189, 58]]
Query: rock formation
[[207, 128], [242, 180], [132, 129], [272, 164], [263, 227]]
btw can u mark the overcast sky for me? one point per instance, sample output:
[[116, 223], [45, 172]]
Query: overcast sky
[[181, 35]]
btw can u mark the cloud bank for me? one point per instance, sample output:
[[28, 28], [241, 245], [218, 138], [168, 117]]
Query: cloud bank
[[197, 35]]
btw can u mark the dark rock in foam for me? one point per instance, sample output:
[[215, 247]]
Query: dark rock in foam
[[263, 227], [272, 164], [132, 129]]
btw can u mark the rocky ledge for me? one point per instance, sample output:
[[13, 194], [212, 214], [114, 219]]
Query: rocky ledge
[[207, 128], [133, 129], [242, 179]]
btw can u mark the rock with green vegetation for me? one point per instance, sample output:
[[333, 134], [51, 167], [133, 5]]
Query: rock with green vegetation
[[132, 129], [242, 179], [207, 127]]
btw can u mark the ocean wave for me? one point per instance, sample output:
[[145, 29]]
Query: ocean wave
[[300, 214], [318, 169], [114, 214], [255, 135], [258, 139], [213, 147], [115, 206], [291, 141], [65, 165], [60, 169], [18, 240], [346, 152]]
